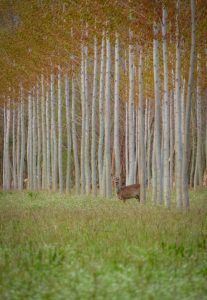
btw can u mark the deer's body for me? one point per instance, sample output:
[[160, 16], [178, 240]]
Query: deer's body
[[127, 192]]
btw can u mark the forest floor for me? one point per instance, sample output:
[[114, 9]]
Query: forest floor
[[58, 246]]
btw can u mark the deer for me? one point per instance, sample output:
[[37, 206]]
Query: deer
[[127, 192]]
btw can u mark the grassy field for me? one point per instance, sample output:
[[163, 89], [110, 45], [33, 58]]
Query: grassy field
[[56, 246]]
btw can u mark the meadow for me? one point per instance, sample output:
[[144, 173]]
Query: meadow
[[59, 246]]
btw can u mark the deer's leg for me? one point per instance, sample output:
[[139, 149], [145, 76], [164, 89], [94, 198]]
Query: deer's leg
[[137, 197]]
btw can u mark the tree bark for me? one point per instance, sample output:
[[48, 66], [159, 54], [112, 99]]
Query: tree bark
[[126, 144], [14, 161], [34, 135], [22, 164], [157, 112], [107, 152], [199, 124], [93, 124], [53, 135], [87, 157], [18, 142], [39, 148], [142, 162], [83, 120], [44, 144], [67, 104], [60, 159], [30, 144], [101, 116], [7, 172], [48, 140], [131, 179], [188, 106], [166, 115], [117, 109], [75, 147]]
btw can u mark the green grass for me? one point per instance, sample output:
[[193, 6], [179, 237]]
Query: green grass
[[56, 246]]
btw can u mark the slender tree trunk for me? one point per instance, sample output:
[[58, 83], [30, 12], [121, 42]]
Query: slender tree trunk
[[142, 131], [75, 147], [34, 133], [107, 153], [101, 117], [18, 142], [67, 104], [199, 130], [30, 144], [188, 106], [22, 165], [4, 150], [83, 119], [146, 111], [117, 110], [60, 159], [14, 162], [7, 157], [126, 144], [38, 140], [137, 145], [157, 112], [87, 159], [154, 171], [150, 134], [193, 154], [53, 135], [166, 119], [47, 115], [177, 107], [172, 144], [93, 125], [183, 112], [44, 144], [131, 179]]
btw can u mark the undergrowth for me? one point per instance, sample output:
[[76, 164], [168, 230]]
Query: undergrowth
[[59, 246]]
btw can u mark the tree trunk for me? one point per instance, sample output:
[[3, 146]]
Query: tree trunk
[[60, 159], [142, 161], [126, 144], [4, 150], [34, 134], [93, 125], [44, 143], [107, 153], [18, 142], [48, 140], [101, 116], [14, 164], [87, 159], [172, 144], [7, 172], [117, 110], [131, 178], [38, 140], [30, 144], [154, 172], [177, 108], [21, 175], [166, 119], [199, 129], [188, 107], [67, 104], [83, 120], [157, 112], [75, 147], [53, 136]]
